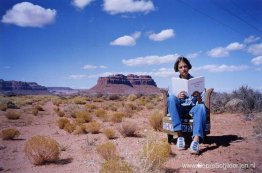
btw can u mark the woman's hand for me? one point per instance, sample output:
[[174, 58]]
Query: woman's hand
[[198, 96], [181, 95]]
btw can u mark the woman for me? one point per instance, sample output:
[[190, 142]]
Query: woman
[[183, 104]]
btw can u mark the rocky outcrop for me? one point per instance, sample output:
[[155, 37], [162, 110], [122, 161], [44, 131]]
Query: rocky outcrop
[[19, 87], [121, 84]]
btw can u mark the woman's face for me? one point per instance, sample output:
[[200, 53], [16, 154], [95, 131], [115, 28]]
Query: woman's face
[[183, 69]]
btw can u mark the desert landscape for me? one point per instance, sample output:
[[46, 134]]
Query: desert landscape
[[120, 133]]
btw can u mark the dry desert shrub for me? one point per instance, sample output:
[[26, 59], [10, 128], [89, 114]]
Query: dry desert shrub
[[155, 121], [79, 100], [83, 117], [132, 97], [117, 117], [34, 111], [100, 112], [56, 109], [150, 106], [41, 149], [93, 127], [115, 166], [98, 100], [90, 107], [69, 127], [12, 115], [113, 97], [154, 155], [110, 133], [9, 133], [128, 129], [60, 113], [80, 129], [3, 107], [39, 108], [57, 101], [144, 100], [107, 151], [71, 109], [62, 122]]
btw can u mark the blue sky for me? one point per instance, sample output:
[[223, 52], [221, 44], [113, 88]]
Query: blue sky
[[73, 42]]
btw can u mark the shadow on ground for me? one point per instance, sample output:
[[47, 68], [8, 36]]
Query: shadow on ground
[[224, 140]]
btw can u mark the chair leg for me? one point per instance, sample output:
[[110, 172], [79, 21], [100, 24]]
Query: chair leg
[[169, 138]]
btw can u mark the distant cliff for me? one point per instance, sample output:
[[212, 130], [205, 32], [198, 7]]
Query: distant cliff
[[19, 87], [121, 84]]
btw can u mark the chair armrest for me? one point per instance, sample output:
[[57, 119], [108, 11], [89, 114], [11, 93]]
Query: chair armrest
[[208, 96], [165, 95]]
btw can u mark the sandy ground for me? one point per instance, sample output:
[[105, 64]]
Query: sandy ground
[[231, 146]]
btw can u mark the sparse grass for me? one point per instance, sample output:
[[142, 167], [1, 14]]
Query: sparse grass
[[60, 113], [117, 117], [57, 101], [154, 155], [83, 117], [107, 151], [100, 112], [90, 107], [62, 122], [34, 111], [99, 100], [12, 115], [79, 129], [69, 127], [56, 109], [3, 107], [9, 133], [79, 100], [39, 108], [155, 121], [71, 109], [116, 166], [41, 149], [150, 106], [113, 97], [132, 97], [93, 127], [110, 133], [128, 129]]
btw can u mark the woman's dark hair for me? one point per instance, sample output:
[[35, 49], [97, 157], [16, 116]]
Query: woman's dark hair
[[185, 60]]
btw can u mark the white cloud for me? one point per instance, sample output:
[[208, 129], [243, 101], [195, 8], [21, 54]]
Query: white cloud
[[102, 66], [220, 68], [128, 6], [257, 60], [126, 40], [251, 39], [26, 14], [78, 76], [150, 60], [224, 51], [91, 67], [218, 52], [163, 35], [255, 49], [193, 55], [81, 3], [235, 46]]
